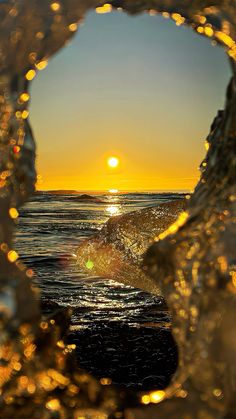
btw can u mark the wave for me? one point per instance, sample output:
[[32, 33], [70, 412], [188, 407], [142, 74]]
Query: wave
[[116, 251], [87, 198]]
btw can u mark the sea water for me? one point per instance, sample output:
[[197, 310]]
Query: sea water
[[121, 332]]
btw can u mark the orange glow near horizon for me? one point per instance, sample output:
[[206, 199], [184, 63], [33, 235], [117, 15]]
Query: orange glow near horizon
[[134, 175], [126, 106]]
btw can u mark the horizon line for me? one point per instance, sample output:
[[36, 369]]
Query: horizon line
[[120, 190]]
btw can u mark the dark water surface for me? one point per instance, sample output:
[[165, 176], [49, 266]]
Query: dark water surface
[[120, 332]]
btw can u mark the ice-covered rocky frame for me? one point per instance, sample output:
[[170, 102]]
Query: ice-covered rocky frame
[[194, 262]]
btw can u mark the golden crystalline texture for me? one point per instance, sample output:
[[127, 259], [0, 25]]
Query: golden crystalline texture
[[17, 176], [116, 251], [194, 265], [195, 268], [42, 28]]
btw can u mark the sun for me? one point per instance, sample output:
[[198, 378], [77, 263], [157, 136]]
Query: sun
[[113, 162], [113, 190]]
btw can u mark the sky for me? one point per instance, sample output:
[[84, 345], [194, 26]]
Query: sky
[[137, 88]]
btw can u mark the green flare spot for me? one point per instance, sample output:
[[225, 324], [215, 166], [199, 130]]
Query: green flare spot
[[89, 264]]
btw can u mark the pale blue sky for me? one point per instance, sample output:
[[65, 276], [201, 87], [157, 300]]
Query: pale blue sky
[[138, 87]]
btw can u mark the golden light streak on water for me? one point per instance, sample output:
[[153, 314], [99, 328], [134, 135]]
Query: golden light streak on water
[[113, 210]]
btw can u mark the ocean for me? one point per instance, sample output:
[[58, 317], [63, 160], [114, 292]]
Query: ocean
[[120, 332]]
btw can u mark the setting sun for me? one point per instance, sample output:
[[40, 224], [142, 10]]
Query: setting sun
[[113, 191], [113, 162]]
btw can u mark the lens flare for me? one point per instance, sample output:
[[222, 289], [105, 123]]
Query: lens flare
[[89, 264]]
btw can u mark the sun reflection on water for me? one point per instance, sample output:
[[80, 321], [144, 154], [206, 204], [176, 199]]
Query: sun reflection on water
[[113, 191], [113, 210]]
